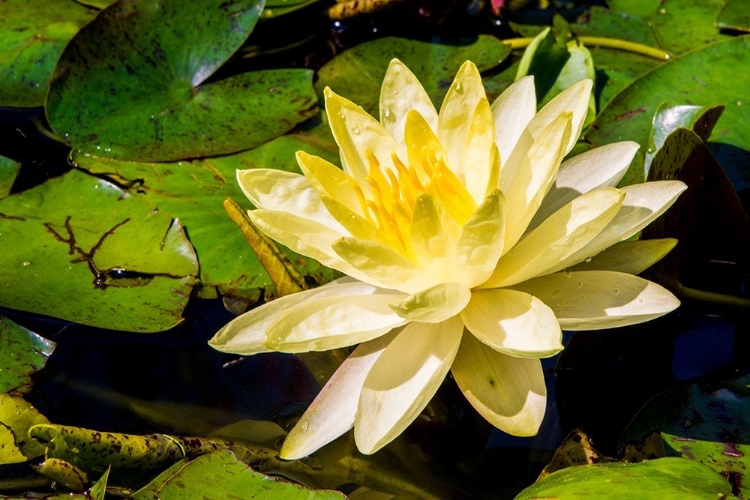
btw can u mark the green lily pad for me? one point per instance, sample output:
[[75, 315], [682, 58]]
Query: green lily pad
[[220, 475], [684, 25], [641, 8], [609, 23], [357, 73], [132, 84], [734, 16], [705, 77], [32, 37], [227, 264], [16, 418], [278, 8], [22, 352], [662, 479], [706, 422], [80, 248], [8, 172]]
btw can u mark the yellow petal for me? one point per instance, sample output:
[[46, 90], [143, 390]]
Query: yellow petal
[[481, 241], [589, 300], [468, 139], [575, 100], [512, 111], [600, 167], [435, 304], [285, 192], [632, 257], [358, 134], [401, 92], [357, 313], [508, 392], [558, 237], [382, 264], [403, 380], [246, 333], [433, 235], [357, 226], [535, 177], [643, 203], [332, 412], [513, 322], [330, 180]]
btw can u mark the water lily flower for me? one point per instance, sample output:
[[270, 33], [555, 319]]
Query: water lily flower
[[467, 244]]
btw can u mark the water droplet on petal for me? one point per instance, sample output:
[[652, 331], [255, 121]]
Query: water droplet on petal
[[356, 131], [303, 426], [579, 284], [567, 273], [641, 300], [588, 259], [386, 113], [459, 87], [616, 291]]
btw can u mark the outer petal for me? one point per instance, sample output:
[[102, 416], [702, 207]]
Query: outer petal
[[435, 304], [574, 99], [514, 323], [381, 264], [401, 92], [600, 167], [561, 235], [590, 300], [509, 392], [285, 192], [468, 142], [535, 177], [643, 203], [481, 242], [358, 133], [512, 111], [632, 257], [246, 333], [332, 413], [357, 313], [403, 380]]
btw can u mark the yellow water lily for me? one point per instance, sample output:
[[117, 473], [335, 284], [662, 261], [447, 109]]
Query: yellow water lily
[[467, 244]]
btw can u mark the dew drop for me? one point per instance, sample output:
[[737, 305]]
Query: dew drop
[[641, 300], [579, 284], [588, 259], [303, 426], [26, 263], [616, 291], [386, 113], [567, 273], [356, 131], [395, 91], [459, 87]]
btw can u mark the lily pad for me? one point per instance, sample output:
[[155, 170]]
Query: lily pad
[[684, 25], [80, 248], [734, 16], [706, 77], [221, 475], [22, 352], [16, 418], [357, 73], [706, 422], [227, 264], [32, 37], [662, 479], [132, 84], [8, 172]]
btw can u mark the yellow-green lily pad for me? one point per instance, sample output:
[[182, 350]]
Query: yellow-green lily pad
[[22, 352], [17, 416]]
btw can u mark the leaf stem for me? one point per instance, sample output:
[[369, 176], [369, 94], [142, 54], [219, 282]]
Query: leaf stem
[[599, 41]]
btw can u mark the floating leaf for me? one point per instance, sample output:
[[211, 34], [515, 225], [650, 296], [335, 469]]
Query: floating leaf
[[705, 77], [706, 422], [684, 25], [132, 84], [64, 474], [734, 15], [227, 264], [16, 418], [222, 475], [81, 249], [662, 479], [8, 171], [358, 72], [577, 449], [32, 37], [22, 352]]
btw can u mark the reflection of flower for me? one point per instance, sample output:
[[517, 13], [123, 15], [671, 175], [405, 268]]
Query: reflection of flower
[[467, 245]]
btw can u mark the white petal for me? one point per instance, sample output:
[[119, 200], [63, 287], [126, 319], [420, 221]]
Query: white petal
[[246, 334], [574, 99], [435, 304], [512, 111], [558, 237], [401, 92], [332, 412], [600, 167], [358, 312], [632, 257], [403, 380], [509, 392], [643, 203], [288, 192], [481, 241], [513, 322], [590, 300]]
